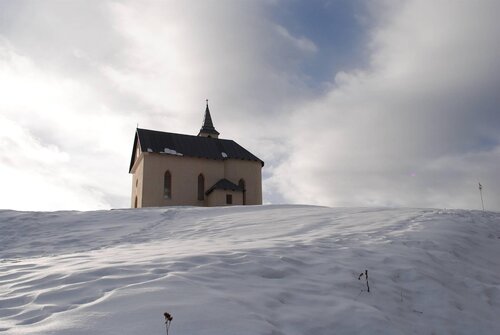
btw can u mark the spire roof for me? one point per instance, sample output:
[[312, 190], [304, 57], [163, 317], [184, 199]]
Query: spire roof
[[208, 125]]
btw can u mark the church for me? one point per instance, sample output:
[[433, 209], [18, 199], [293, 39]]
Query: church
[[172, 169]]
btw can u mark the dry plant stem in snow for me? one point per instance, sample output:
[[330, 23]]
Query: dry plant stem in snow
[[366, 277], [168, 320]]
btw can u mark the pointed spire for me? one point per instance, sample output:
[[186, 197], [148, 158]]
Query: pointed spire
[[208, 129]]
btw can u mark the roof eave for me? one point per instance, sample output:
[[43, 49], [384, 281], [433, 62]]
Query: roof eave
[[134, 148]]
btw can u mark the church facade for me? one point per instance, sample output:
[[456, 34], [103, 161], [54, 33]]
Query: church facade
[[170, 169]]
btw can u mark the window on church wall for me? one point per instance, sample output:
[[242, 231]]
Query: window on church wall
[[201, 187], [167, 185], [241, 184]]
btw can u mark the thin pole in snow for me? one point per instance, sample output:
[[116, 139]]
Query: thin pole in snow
[[481, 193]]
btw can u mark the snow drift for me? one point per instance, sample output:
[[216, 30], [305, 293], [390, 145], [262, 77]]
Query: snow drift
[[250, 270]]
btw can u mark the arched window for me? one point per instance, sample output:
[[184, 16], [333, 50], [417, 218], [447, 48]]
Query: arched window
[[201, 187], [241, 184], [167, 185]]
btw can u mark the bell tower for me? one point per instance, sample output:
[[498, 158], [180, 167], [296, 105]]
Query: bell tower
[[208, 129]]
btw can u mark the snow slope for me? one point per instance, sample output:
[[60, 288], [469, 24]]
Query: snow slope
[[250, 270]]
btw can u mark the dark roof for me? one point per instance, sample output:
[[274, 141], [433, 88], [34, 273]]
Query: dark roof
[[188, 145], [224, 184], [208, 125]]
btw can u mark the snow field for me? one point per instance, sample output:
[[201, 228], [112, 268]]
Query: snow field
[[250, 270]]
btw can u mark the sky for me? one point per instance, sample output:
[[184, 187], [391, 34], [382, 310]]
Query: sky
[[349, 103]]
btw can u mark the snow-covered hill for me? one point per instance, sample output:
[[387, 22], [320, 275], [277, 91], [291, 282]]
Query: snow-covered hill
[[250, 270]]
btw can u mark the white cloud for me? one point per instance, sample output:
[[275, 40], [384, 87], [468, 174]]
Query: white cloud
[[300, 42], [40, 177], [395, 134], [179, 53], [54, 133], [418, 126]]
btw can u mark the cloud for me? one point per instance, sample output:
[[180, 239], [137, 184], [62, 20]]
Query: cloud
[[419, 127], [414, 124], [300, 42], [178, 53], [54, 135], [40, 177]]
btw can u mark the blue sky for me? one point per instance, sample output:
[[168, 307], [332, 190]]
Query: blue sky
[[337, 28], [349, 103]]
